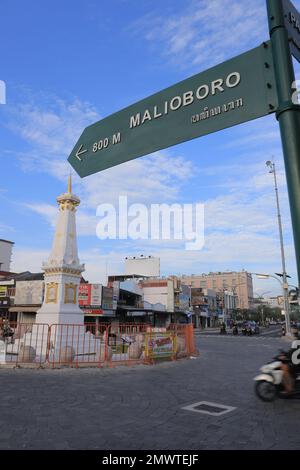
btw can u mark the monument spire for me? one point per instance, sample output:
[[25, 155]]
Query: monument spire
[[70, 184]]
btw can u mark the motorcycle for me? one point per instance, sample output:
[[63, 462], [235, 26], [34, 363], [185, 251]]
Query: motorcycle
[[223, 330], [235, 330], [269, 384], [247, 331]]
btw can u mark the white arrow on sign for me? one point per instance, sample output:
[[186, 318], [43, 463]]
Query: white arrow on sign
[[80, 152]]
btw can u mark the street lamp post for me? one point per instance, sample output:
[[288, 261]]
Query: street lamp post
[[224, 307], [261, 298], [285, 287]]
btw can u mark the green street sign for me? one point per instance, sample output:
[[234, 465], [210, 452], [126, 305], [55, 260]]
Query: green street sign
[[292, 24], [236, 91]]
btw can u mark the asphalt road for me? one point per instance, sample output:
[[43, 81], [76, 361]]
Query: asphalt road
[[272, 331], [142, 407]]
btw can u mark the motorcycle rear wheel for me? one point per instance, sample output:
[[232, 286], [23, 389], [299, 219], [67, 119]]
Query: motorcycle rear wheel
[[266, 391]]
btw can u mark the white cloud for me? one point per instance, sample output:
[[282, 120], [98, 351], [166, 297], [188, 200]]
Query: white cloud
[[86, 222], [28, 259], [55, 125], [206, 32]]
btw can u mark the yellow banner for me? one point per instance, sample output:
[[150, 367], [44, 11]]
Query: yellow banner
[[3, 291]]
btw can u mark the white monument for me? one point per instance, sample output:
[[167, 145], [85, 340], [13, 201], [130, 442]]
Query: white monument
[[63, 269], [68, 339]]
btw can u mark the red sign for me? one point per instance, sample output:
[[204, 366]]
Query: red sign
[[84, 294], [93, 311]]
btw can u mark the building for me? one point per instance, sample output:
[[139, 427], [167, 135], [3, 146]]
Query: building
[[8, 289], [96, 302], [204, 303], [168, 294], [5, 254], [130, 305], [240, 283], [29, 295], [272, 302], [147, 266], [154, 300], [161, 291]]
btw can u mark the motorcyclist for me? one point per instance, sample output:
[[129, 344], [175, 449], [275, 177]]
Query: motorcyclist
[[290, 367]]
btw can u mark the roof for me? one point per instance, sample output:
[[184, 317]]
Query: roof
[[6, 273], [7, 241], [28, 276], [123, 277], [25, 276], [130, 292], [128, 308], [25, 309]]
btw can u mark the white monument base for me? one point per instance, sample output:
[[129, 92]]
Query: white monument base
[[62, 344]]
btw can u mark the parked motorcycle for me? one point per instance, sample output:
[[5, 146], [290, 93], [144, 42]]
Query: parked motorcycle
[[223, 329], [247, 330], [269, 384], [235, 330]]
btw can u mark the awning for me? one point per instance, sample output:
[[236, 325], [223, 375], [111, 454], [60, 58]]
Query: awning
[[21, 309], [101, 313], [136, 314]]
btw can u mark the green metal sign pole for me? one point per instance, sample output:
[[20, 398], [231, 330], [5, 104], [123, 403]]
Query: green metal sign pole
[[288, 113]]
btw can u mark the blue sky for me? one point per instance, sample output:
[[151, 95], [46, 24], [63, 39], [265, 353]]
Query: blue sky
[[67, 64]]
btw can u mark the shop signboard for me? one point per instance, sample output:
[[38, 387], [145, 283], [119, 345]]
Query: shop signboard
[[96, 294], [3, 291], [84, 294], [93, 311]]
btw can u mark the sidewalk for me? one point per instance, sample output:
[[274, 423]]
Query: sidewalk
[[199, 331], [207, 331]]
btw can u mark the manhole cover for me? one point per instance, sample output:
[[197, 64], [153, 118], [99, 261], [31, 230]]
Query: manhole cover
[[209, 408]]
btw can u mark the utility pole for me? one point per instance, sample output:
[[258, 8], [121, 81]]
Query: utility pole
[[288, 113], [285, 286], [224, 307]]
